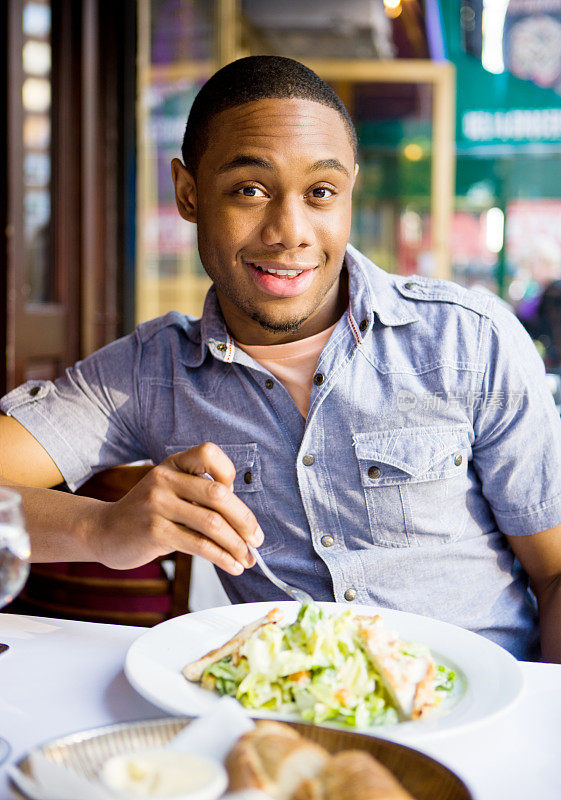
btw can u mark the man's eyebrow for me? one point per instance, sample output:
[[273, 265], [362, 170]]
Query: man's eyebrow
[[254, 161], [245, 161], [329, 163]]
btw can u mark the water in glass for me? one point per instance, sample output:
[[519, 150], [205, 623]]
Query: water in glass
[[14, 547], [14, 560]]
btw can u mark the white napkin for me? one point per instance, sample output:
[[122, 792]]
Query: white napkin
[[212, 735], [52, 781]]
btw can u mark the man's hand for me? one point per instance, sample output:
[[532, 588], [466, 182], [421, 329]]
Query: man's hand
[[540, 555], [171, 508], [174, 508]]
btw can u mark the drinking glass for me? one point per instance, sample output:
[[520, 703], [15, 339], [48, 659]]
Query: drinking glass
[[14, 559]]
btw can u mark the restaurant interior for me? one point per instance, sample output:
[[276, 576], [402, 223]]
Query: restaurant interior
[[457, 106], [97, 95]]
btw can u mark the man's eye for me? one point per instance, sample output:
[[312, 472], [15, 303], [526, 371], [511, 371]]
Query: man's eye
[[250, 191], [322, 193]]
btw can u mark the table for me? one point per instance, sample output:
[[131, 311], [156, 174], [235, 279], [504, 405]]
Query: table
[[61, 676]]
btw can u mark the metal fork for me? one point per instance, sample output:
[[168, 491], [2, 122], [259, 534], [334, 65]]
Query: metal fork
[[292, 591]]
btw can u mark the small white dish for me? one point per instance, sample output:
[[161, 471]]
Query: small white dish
[[164, 774]]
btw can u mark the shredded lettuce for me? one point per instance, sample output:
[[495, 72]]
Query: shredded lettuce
[[445, 679], [317, 668]]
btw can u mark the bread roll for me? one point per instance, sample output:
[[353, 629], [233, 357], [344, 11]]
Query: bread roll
[[275, 759], [352, 774]]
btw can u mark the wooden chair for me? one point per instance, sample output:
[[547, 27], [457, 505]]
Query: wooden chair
[[143, 596]]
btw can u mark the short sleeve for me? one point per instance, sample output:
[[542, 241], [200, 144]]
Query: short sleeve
[[517, 449], [88, 419]]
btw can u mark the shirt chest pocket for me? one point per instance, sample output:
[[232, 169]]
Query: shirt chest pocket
[[415, 483], [248, 487]]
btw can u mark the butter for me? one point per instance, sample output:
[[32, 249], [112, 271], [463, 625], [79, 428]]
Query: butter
[[164, 774]]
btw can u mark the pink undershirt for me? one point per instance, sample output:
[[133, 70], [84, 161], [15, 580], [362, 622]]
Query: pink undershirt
[[292, 363]]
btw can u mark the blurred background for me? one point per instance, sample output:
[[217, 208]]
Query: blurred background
[[457, 105]]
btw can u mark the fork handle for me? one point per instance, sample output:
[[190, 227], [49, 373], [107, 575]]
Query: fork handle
[[264, 568], [292, 591]]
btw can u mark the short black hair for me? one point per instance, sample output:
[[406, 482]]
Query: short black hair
[[249, 79]]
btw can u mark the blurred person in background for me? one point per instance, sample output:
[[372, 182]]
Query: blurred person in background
[[539, 268]]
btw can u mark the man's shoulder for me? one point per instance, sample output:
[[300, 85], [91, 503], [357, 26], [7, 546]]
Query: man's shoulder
[[472, 318], [170, 326], [420, 289], [400, 296]]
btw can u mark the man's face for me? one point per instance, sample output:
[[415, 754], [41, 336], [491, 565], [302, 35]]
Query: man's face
[[272, 203]]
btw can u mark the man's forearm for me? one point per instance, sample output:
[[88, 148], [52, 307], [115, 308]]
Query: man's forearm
[[549, 602], [59, 524]]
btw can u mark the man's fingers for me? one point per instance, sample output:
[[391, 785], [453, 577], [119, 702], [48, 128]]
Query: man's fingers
[[217, 524], [189, 541], [207, 457], [212, 525], [217, 497]]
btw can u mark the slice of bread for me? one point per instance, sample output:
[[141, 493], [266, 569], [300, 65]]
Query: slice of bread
[[352, 774], [275, 759]]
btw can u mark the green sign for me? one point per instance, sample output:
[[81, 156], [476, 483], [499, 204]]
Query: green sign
[[496, 109]]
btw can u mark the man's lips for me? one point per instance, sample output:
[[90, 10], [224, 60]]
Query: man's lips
[[280, 269], [281, 280]]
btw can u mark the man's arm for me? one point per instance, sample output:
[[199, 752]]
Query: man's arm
[[540, 555], [23, 459], [171, 508]]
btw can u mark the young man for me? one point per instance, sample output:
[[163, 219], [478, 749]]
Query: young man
[[383, 440]]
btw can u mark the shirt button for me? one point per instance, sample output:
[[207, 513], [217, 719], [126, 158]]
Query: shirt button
[[350, 595], [327, 541], [363, 325], [269, 383], [221, 347], [34, 391], [308, 460], [318, 379], [458, 460], [374, 472], [409, 285], [248, 477]]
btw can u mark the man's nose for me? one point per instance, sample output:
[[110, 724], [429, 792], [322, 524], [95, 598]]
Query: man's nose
[[288, 224]]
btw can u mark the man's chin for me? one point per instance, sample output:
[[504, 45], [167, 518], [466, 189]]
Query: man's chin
[[278, 326]]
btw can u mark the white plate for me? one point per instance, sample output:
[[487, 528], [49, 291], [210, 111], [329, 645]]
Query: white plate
[[489, 678]]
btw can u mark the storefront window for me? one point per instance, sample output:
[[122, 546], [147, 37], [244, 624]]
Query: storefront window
[[506, 235], [175, 49], [391, 221], [36, 97]]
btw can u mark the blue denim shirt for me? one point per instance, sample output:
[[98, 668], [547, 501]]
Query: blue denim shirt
[[432, 435]]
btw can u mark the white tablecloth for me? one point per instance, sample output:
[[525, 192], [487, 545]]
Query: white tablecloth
[[60, 677]]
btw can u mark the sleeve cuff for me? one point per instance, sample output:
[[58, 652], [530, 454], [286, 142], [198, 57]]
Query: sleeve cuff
[[524, 522], [23, 404]]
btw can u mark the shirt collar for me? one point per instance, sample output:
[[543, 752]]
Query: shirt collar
[[372, 291], [214, 333]]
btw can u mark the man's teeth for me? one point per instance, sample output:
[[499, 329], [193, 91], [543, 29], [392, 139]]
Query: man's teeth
[[282, 273]]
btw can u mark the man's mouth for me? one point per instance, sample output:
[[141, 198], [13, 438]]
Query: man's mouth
[[280, 280], [280, 273]]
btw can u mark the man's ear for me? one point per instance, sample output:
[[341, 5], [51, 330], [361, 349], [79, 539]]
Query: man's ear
[[185, 191], [356, 173]]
